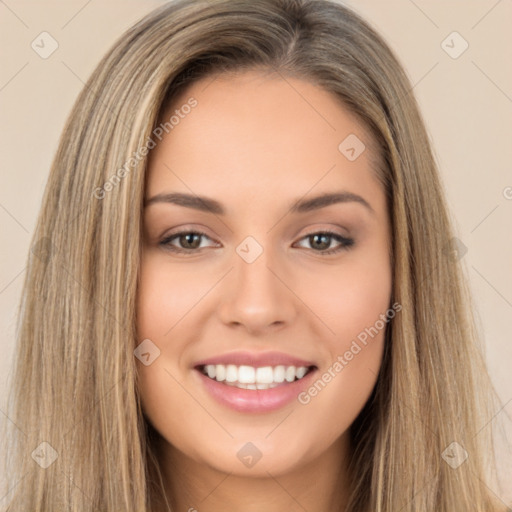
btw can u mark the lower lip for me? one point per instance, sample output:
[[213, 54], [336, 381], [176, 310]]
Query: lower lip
[[255, 400]]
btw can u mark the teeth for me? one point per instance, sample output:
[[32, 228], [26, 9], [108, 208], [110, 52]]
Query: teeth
[[301, 372], [211, 371], [246, 374], [290, 374], [279, 373], [248, 377], [220, 372], [231, 373], [252, 386], [265, 375]]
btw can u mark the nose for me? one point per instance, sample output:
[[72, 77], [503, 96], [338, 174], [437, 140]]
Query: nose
[[257, 297]]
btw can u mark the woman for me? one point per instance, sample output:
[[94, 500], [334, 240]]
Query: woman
[[315, 350]]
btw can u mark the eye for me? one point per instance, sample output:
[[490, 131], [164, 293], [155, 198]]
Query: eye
[[188, 240], [321, 242]]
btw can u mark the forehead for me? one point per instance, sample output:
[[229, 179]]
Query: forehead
[[251, 134]]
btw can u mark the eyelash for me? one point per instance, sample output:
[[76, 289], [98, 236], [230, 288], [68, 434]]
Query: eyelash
[[346, 243]]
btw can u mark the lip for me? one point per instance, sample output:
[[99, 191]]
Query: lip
[[255, 400], [256, 359]]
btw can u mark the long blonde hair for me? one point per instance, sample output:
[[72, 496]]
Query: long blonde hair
[[75, 382]]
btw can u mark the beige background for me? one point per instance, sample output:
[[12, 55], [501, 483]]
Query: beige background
[[466, 102]]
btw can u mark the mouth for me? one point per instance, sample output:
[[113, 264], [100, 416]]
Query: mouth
[[255, 378]]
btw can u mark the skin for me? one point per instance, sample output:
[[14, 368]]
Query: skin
[[257, 143]]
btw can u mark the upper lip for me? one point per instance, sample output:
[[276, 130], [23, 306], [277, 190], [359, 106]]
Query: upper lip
[[256, 359]]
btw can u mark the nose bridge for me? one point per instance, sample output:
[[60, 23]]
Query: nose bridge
[[253, 273], [256, 296]]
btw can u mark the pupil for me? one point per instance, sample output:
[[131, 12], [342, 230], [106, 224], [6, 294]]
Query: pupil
[[324, 236], [187, 238]]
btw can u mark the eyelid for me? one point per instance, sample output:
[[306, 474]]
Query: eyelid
[[346, 242], [167, 238], [180, 230]]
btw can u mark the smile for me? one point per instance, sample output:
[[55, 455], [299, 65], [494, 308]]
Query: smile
[[250, 377]]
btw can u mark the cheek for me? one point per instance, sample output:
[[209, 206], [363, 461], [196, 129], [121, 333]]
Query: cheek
[[346, 380], [172, 411], [165, 295], [349, 298], [352, 300], [163, 299]]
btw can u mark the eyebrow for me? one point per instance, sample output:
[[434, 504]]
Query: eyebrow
[[209, 205]]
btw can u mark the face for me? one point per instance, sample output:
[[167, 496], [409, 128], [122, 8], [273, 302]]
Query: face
[[247, 274]]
